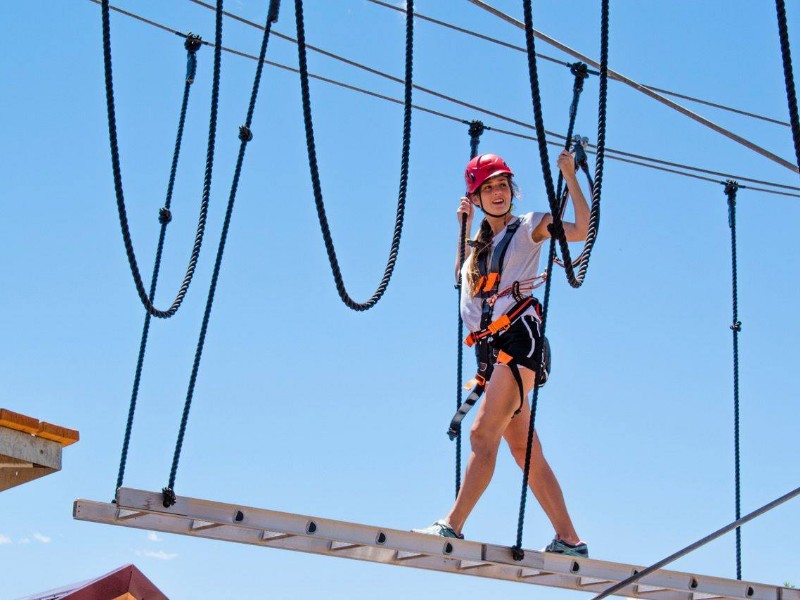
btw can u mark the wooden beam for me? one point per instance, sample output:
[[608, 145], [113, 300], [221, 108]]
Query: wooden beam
[[260, 527]]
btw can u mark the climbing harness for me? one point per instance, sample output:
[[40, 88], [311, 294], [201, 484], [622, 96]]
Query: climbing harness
[[312, 162], [487, 288], [192, 44], [245, 136], [117, 171]]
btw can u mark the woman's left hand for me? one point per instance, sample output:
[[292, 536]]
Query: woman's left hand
[[566, 163]]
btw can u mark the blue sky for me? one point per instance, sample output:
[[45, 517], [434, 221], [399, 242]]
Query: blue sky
[[306, 407]]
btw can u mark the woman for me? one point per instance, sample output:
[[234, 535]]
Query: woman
[[501, 263]]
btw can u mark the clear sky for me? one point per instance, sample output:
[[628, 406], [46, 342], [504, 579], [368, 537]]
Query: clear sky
[[307, 407]]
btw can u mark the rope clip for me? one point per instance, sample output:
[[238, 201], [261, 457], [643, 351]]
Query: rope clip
[[579, 145]]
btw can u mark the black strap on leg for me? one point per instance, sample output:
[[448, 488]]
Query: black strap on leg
[[518, 378]]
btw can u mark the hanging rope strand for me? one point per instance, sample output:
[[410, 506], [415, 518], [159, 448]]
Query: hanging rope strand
[[731, 188], [312, 161], [476, 129], [117, 172], [791, 96], [517, 552], [192, 45], [245, 136]]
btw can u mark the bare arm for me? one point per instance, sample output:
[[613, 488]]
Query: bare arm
[[575, 232]]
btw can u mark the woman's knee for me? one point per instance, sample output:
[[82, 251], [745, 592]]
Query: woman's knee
[[483, 441]]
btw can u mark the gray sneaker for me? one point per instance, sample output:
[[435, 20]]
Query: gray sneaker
[[440, 528], [557, 546]]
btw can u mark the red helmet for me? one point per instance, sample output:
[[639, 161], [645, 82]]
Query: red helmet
[[483, 167]]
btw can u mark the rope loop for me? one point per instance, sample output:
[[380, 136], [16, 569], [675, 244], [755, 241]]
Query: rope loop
[[117, 170], [314, 168]]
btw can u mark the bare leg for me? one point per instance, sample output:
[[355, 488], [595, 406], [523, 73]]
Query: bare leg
[[541, 478], [494, 416]]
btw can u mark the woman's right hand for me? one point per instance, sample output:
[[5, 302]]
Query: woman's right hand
[[465, 208]]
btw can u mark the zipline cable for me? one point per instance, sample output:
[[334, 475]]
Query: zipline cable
[[245, 136], [312, 161], [730, 191], [648, 92], [476, 129], [698, 544], [498, 42], [117, 171], [436, 94], [514, 134], [791, 96], [556, 228], [192, 44]]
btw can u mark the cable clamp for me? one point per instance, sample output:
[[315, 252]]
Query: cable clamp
[[193, 42], [579, 145]]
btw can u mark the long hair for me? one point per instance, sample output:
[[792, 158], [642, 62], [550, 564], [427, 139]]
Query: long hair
[[482, 243]]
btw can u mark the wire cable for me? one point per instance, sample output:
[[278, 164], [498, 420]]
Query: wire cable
[[566, 64], [637, 86], [609, 151]]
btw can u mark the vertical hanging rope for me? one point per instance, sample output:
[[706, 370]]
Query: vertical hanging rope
[[731, 188], [476, 129], [312, 162], [556, 229], [117, 171], [245, 136], [192, 45], [791, 96]]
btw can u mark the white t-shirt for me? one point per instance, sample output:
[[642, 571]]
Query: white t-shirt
[[521, 262]]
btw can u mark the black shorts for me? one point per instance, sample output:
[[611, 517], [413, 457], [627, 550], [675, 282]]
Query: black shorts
[[523, 341]]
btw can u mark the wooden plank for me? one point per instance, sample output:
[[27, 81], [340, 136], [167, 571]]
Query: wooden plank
[[56, 433], [18, 422], [301, 533]]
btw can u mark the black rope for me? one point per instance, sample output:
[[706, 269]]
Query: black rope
[[791, 96], [312, 162], [115, 163], [192, 45], [556, 229], [245, 135], [731, 188], [517, 552], [476, 129], [581, 72]]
